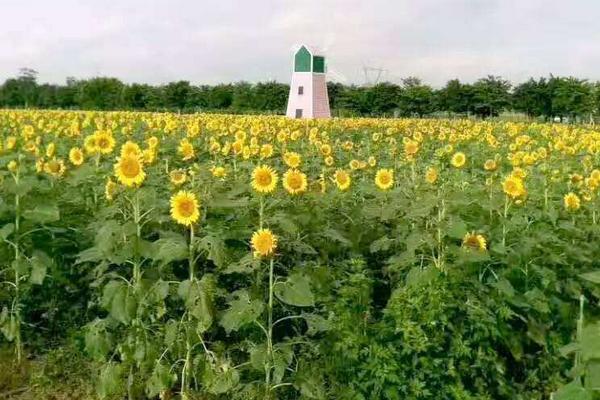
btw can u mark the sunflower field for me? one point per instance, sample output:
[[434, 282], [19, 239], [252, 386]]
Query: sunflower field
[[236, 257]]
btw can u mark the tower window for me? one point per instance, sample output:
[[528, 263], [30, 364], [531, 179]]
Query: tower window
[[298, 113], [300, 89]]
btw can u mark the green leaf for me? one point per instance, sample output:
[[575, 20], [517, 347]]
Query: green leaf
[[171, 249], [6, 230], [593, 276], [220, 380], [418, 276], [111, 380], [43, 213], [457, 228], [39, 265], [590, 341], [118, 301], [198, 298], [316, 324], [572, 391], [97, 340], [337, 236], [295, 291], [241, 311], [161, 379], [381, 244], [592, 375]]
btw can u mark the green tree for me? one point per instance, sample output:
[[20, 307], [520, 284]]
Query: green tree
[[415, 98], [101, 94], [491, 95]]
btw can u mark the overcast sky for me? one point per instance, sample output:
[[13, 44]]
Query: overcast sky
[[206, 41]]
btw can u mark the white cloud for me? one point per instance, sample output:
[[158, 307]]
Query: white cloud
[[211, 41]]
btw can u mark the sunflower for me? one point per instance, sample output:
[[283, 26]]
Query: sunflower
[[295, 181], [490, 165], [55, 167], [105, 142], [76, 156], [474, 241], [572, 202], [89, 144], [130, 148], [354, 164], [292, 159], [152, 142], [185, 208], [50, 150], [266, 150], [264, 243], [110, 189], [411, 148], [342, 179], [12, 166], [186, 149], [218, 172], [458, 159], [326, 150], [384, 178], [514, 187], [372, 161], [177, 177], [329, 161], [129, 170], [264, 179], [431, 175]]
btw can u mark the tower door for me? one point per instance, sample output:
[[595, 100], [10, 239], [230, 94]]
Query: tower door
[[298, 113]]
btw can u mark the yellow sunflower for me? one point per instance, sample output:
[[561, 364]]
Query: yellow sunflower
[[384, 178], [572, 202], [185, 208], [264, 179], [295, 181], [514, 187], [110, 189], [186, 149], [218, 172], [458, 159], [55, 167], [105, 142], [129, 170], [76, 156], [292, 159], [177, 177], [130, 148], [474, 241], [490, 165], [264, 243], [431, 175], [342, 179], [89, 144]]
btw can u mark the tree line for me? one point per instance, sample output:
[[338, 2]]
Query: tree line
[[546, 97]]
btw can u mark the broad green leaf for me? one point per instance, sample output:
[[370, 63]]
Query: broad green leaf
[[242, 310], [39, 265], [572, 391], [43, 213], [316, 324], [171, 249], [6, 230], [111, 380], [97, 340], [457, 228], [593, 276], [220, 380], [162, 378], [295, 291], [118, 301]]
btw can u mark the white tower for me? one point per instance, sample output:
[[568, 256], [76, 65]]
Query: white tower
[[308, 91]]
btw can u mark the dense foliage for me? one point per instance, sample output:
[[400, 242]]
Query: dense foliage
[[553, 97], [220, 256]]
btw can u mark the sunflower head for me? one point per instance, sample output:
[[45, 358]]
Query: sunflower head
[[264, 179], [294, 181], [129, 170], [185, 208], [177, 177], [490, 165], [342, 179], [514, 187], [431, 175], [292, 159], [474, 241], [105, 142], [384, 178], [55, 167], [458, 159], [76, 156], [129, 148], [110, 189], [572, 202], [264, 243]]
